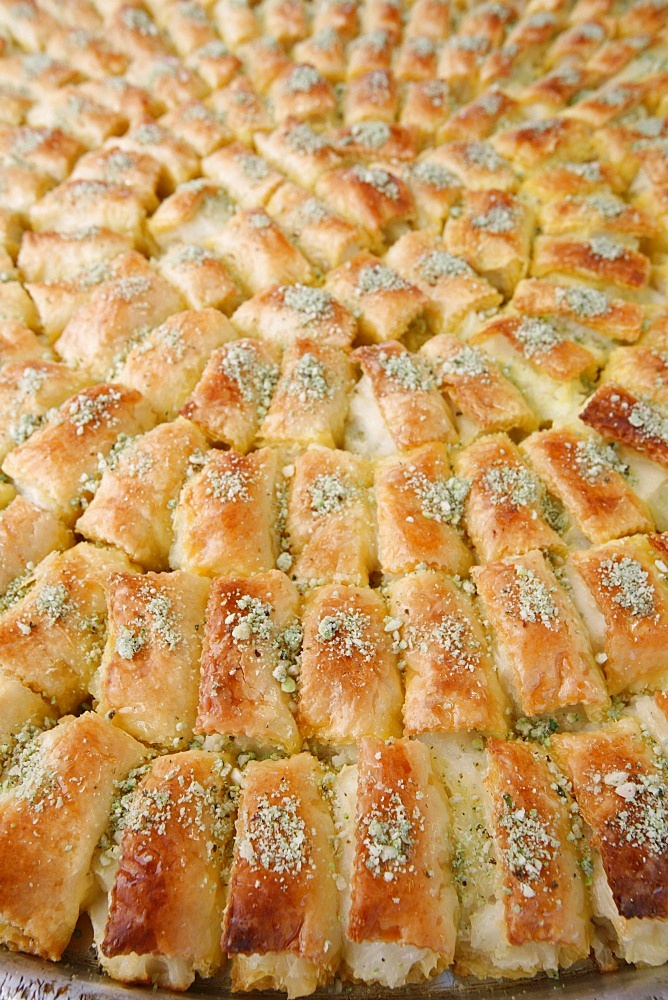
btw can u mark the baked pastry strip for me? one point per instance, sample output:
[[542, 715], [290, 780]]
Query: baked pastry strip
[[283, 864]]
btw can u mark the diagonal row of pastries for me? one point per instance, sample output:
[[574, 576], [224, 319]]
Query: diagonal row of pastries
[[334, 489]]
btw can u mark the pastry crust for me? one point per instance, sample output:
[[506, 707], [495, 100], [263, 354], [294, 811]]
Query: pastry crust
[[258, 253], [330, 518], [167, 898], [166, 364], [282, 313], [614, 317], [631, 594], [451, 684], [51, 639], [51, 819], [149, 675], [283, 865], [368, 195], [544, 897], [132, 506], [412, 408], [310, 404], [586, 475], [350, 685], [246, 177], [419, 507], [625, 418], [397, 800], [600, 260], [505, 510], [632, 858], [233, 394], [56, 466], [251, 643], [483, 399], [384, 303], [224, 521], [542, 649]]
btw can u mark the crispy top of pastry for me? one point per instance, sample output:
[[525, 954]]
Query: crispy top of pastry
[[621, 792]]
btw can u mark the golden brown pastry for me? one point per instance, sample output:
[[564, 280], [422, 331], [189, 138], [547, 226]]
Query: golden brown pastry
[[283, 865], [55, 798], [330, 518], [233, 395], [282, 313], [620, 789], [451, 684], [58, 465], [225, 519], [399, 904], [419, 509], [506, 511], [630, 611], [27, 535], [251, 643], [349, 684], [160, 922], [542, 650]]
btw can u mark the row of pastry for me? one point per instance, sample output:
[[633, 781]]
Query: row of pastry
[[170, 655], [422, 853]]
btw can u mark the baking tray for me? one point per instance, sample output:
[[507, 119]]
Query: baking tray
[[78, 975]]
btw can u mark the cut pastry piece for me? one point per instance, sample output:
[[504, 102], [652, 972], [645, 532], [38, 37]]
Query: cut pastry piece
[[596, 213], [479, 118], [283, 864], [167, 362], [300, 92], [258, 253], [149, 675], [282, 313], [571, 178], [523, 906], [628, 621], [325, 238], [621, 790], [133, 504], [58, 465], [47, 150], [629, 419], [160, 921], [599, 259], [542, 651], [454, 291], [398, 904], [493, 234], [55, 256], [135, 299], [372, 95], [643, 369], [75, 203], [246, 177], [349, 684], [451, 684], [197, 125], [28, 391], [51, 638], [376, 140], [27, 535], [195, 211], [370, 196], [532, 144], [406, 400], [615, 318], [311, 399], [178, 161], [244, 111], [435, 190], [507, 509], [200, 277], [384, 303], [300, 152], [419, 509], [330, 518], [478, 166], [483, 398], [55, 799], [19, 343], [233, 395], [249, 662], [225, 520], [587, 476]]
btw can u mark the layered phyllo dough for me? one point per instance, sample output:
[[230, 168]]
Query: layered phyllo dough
[[283, 864], [399, 906]]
